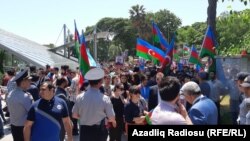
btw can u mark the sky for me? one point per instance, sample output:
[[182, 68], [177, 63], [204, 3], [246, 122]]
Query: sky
[[42, 21]]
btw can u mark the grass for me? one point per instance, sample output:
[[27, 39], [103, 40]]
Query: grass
[[225, 111]]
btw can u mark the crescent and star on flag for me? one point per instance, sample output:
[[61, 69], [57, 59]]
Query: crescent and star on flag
[[151, 52]]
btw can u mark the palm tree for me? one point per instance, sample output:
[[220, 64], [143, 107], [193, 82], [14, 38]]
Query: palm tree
[[138, 18]]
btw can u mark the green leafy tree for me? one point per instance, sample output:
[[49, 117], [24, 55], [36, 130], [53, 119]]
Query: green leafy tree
[[125, 37], [211, 12], [233, 32], [168, 22], [190, 35]]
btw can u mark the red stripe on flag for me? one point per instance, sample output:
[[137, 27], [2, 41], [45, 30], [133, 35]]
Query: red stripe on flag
[[158, 56], [84, 55], [81, 79], [141, 48], [209, 45], [195, 55], [154, 30]]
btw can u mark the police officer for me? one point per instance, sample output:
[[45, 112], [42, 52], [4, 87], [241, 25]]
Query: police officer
[[244, 115], [92, 107], [19, 103]]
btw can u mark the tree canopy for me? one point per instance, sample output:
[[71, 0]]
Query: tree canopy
[[233, 31]]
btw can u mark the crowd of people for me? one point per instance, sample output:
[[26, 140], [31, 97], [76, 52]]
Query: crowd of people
[[49, 103]]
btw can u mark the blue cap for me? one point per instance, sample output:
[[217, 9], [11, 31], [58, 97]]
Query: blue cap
[[22, 75], [203, 75]]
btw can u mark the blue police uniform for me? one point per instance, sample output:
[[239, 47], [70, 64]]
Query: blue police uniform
[[19, 103], [93, 107]]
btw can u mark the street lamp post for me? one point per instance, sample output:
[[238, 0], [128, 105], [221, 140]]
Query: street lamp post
[[95, 44]]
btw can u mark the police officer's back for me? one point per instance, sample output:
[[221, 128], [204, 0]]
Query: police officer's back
[[92, 107]]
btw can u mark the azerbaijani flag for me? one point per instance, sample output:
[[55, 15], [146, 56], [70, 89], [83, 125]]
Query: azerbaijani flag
[[208, 49], [155, 36], [185, 50], [176, 55], [83, 59], [77, 42], [194, 57], [168, 57], [163, 42], [148, 118], [208, 45], [147, 51], [92, 62]]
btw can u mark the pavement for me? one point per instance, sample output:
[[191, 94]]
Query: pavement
[[8, 135]]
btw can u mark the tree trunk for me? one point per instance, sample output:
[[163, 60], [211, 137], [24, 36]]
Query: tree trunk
[[211, 14]]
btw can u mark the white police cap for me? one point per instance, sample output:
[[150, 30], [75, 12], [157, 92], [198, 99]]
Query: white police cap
[[22, 75], [246, 82], [94, 74]]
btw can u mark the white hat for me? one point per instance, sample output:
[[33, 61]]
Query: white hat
[[94, 74], [246, 82], [190, 86]]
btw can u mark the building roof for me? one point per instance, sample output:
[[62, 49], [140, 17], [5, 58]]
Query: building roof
[[32, 52]]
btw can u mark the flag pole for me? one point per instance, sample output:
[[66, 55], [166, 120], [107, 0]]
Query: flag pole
[[183, 51], [95, 43]]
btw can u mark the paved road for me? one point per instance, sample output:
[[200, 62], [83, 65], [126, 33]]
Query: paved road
[[8, 136]]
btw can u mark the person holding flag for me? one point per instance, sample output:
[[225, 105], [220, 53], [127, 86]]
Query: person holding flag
[[208, 49], [166, 47], [195, 59]]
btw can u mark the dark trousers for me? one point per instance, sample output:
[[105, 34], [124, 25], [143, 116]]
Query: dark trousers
[[17, 133], [234, 116], [115, 134], [93, 133], [217, 103], [74, 121], [75, 126]]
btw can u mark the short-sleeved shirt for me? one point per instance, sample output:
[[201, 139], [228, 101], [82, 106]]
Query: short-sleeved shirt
[[92, 107], [47, 117], [132, 111], [11, 85], [74, 92], [244, 115], [165, 114], [118, 106], [19, 103]]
